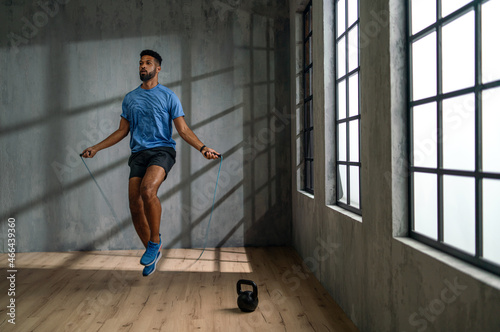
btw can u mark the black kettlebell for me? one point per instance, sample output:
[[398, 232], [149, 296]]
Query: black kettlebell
[[247, 300]]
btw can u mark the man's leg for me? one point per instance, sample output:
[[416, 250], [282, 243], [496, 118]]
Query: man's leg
[[150, 183], [137, 210]]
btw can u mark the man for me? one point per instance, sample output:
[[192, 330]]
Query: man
[[147, 113]]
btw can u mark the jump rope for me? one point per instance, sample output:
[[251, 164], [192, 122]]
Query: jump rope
[[211, 212]]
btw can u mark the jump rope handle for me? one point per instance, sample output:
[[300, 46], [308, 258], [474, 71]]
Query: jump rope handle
[[217, 154]]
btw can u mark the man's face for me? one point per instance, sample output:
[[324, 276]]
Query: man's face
[[148, 68]]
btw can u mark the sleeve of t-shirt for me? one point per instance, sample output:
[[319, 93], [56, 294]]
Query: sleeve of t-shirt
[[175, 107], [125, 110]]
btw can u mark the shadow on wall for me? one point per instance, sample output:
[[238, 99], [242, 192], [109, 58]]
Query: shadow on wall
[[69, 67]]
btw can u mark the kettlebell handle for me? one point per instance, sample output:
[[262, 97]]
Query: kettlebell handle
[[246, 282]]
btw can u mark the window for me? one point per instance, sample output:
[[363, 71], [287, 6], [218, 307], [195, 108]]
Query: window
[[454, 116], [347, 105], [308, 102]]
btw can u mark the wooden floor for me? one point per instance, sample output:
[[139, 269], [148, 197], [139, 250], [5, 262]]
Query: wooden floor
[[105, 291]]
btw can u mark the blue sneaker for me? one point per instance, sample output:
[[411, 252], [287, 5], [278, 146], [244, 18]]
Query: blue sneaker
[[151, 253], [148, 270]]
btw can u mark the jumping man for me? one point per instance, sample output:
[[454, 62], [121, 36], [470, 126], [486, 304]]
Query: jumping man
[[147, 113]]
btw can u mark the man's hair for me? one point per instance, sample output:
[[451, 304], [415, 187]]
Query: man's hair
[[153, 54]]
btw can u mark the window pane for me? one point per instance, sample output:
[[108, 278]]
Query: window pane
[[342, 184], [311, 175], [491, 217], [459, 212], [306, 115], [307, 52], [491, 132], [490, 49], [449, 6], [311, 81], [424, 135], [353, 95], [340, 17], [342, 106], [307, 84], [310, 50], [307, 24], [354, 140], [425, 204], [354, 186], [310, 118], [424, 67], [307, 180], [458, 53], [310, 145], [342, 142], [310, 17], [353, 48], [341, 58], [459, 133], [352, 12], [423, 14]]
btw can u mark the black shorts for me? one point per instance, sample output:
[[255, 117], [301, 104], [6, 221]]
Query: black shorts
[[140, 161]]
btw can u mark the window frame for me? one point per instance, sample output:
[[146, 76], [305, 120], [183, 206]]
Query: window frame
[[308, 131], [440, 171], [348, 119]]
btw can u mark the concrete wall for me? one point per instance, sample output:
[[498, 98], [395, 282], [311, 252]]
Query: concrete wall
[[383, 280], [66, 66]]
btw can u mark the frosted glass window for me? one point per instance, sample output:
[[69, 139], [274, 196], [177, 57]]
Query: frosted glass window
[[491, 220], [459, 133], [353, 95], [353, 48], [342, 142], [354, 141], [423, 14], [340, 17], [424, 67], [458, 53], [446, 101], [491, 130], [354, 186], [490, 50], [347, 103], [342, 106], [307, 77], [341, 59], [425, 204], [352, 12], [342, 184], [449, 6], [425, 135], [459, 213]]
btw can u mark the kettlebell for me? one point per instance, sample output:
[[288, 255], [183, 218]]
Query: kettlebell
[[247, 300]]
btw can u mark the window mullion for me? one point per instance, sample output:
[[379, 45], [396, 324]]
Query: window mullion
[[439, 77], [478, 131]]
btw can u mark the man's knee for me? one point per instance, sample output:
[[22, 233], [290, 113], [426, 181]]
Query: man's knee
[[148, 191]]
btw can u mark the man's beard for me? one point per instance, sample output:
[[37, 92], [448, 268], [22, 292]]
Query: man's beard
[[146, 76]]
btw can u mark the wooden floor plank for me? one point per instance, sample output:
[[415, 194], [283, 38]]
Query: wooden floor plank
[[105, 291]]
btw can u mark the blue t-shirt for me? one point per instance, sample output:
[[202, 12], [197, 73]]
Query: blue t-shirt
[[150, 114]]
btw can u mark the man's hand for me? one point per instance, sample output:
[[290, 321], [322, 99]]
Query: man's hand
[[89, 152], [210, 153]]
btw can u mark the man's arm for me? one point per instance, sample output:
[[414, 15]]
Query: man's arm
[[187, 134], [112, 139]]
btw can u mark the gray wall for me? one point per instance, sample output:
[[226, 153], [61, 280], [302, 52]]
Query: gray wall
[[382, 280], [66, 67]]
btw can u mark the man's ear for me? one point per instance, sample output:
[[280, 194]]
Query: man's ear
[[158, 69]]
